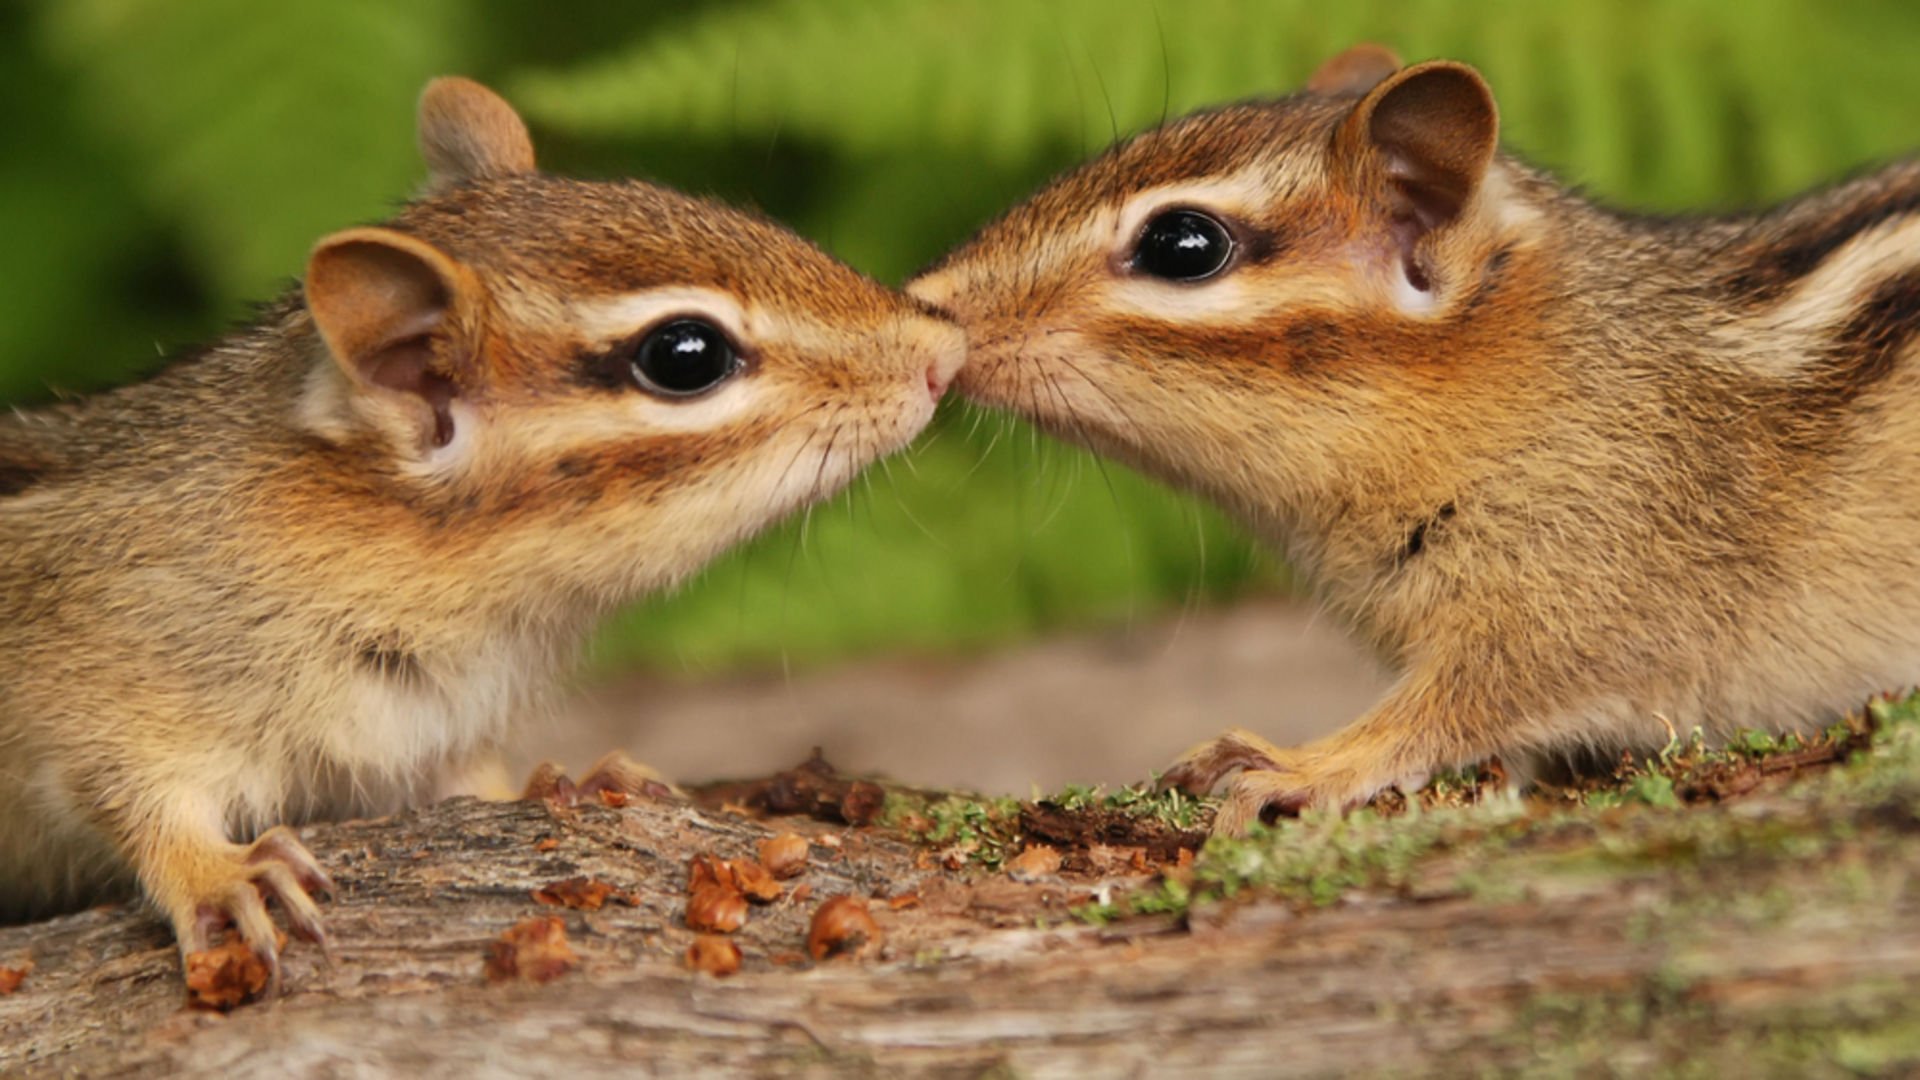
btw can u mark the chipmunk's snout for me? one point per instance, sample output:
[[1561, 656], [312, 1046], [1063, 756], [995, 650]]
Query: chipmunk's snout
[[948, 346]]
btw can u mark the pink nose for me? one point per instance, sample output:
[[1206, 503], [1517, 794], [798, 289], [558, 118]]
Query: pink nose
[[936, 381]]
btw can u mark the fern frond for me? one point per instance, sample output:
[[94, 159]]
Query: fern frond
[[230, 104], [1669, 103]]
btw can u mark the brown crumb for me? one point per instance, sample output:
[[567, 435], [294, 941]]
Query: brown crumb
[[226, 976], [842, 926], [1036, 862], [547, 843], [801, 892], [533, 949], [903, 901], [613, 798], [716, 906], [582, 893], [12, 977], [753, 879], [862, 802], [717, 956], [704, 869], [785, 855]]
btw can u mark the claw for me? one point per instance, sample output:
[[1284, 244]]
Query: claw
[[280, 845], [230, 887], [1201, 768], [551, 783], [615, 772], [1264, 797]]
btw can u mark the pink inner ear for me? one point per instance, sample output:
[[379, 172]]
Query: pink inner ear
[[407, 366]]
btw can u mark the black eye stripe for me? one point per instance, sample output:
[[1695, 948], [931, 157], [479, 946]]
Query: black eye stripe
[[1182, 245]]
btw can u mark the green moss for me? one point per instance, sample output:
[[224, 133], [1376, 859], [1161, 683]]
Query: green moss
[[1173, 808], [986, 829], [1639, 823]]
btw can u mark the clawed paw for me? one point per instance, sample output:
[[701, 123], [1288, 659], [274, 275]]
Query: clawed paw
[[231, 891], [1263, 797], [1200, 769], [1266, 782], [614, 776]]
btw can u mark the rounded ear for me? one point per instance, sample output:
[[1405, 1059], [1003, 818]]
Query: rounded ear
[[1434, 128], [1355, 71], [468, 132], [383, 301]]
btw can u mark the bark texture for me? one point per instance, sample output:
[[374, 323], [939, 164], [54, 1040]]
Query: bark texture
[[1765, 935]]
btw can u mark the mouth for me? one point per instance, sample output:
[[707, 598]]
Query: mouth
[[950, 354], [937, 383]]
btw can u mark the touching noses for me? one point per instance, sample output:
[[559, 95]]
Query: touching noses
[[949, 353]]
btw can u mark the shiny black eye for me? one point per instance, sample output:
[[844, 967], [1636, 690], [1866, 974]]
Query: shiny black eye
[[1183, 245], [684, 357]]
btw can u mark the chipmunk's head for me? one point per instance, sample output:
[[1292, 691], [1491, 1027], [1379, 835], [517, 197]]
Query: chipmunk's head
[[1248, 299], [618, 374]]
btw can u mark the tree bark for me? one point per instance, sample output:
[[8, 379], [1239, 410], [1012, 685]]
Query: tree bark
[[1792, 947]]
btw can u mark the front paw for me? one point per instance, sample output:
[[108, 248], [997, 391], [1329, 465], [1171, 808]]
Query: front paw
[[1266, 796], [1201, 768], [614, 778], [229, 887]]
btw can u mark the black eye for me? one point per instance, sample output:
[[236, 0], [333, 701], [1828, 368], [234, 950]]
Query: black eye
[[684, 357], [1183, 245]]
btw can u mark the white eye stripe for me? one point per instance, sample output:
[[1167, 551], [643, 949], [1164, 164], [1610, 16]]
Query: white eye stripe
[[1234, 196], [608, 320]]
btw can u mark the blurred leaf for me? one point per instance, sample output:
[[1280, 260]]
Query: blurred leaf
[[262, 127], [1673, 103], [69, 224]]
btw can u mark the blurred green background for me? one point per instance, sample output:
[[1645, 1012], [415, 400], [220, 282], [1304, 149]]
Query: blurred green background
[[166, 163]]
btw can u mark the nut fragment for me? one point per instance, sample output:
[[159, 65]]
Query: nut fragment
[[713, 954], [716, 906], [842, 926], [12, 977], [1036, 862], [706, 870], [785, 855], [533, 949], [752, 879], [583, 893], [225, 976]]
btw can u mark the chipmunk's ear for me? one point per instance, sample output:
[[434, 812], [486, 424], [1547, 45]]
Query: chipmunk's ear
[[390, 308], [1354, 71], [1433, 129], [468, 132]]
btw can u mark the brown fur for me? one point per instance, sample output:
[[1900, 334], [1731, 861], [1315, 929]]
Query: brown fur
[[1605, 477], [283, 580]]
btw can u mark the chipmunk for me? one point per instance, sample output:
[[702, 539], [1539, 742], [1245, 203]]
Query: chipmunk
[[1583, 478], [310, 570]]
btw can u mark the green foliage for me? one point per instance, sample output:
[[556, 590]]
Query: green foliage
[[1173, 808], [983, 831], [230, 152], [1676, 102], [177, 159]]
